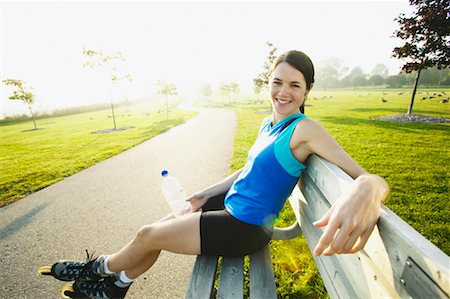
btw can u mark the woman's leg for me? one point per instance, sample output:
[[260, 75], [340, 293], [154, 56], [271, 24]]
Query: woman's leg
[[150, 259], [178, 235]]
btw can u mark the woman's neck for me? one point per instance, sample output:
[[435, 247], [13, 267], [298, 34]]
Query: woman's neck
[[279, 117]]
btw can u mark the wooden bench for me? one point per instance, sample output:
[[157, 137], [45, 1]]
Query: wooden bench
[[397, 262]]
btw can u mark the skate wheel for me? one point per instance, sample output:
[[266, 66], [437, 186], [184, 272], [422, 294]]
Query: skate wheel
[[67, 291], [46, 270]]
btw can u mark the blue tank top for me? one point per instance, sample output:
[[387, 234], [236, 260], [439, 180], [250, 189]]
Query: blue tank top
[[268, 177]]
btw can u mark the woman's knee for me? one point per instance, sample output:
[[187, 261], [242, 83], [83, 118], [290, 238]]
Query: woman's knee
[[144, 234]]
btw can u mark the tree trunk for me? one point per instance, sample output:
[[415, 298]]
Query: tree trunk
[[416, 83], [112, 109], [32, 116]]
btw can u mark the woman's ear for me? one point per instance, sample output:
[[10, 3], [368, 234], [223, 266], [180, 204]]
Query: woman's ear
[[308, 90]]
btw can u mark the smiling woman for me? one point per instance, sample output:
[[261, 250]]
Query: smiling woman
[[249, 200], [292, 79]]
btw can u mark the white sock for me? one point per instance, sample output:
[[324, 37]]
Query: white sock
[[124, 278], [105, 265]]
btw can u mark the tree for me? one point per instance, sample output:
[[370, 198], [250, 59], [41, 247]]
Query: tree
[[206, 90], [433, 76], [327, 76], [262, 79], [376, 80], [167, 90], [234, 87], [396, 81], [257, 90], [22, 94], [328, 73], [381, 70], [100, 59], [229, 89], [427, 37], [355, 78]]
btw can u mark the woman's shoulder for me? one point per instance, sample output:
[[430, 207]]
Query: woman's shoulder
[[307, 128], [309, 123]]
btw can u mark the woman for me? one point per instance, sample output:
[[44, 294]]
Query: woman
[[235, 216]]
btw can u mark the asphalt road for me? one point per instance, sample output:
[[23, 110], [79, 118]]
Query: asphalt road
[[102, 207]]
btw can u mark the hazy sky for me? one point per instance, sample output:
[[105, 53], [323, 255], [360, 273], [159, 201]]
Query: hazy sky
[[183, 42]]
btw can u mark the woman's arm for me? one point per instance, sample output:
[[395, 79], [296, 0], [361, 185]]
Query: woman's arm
[[350, 221], [200, 198]]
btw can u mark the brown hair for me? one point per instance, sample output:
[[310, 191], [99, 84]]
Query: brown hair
[[301, 62]]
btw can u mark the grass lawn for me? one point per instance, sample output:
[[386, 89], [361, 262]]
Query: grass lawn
[[413, 158], [34, 159]]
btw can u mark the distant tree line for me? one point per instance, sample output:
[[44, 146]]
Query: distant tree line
[[61, 112], [331, 75]]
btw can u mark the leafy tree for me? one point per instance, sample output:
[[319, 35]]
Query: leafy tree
[[327, 76], [381, 70], [22, 94], [328, 73], [229, 89], [355, 78], [346, 81], [257, 90], [376, 80], [262, 79], [234, 87], [167, 90], [427, 38], [99, 59], [359, 80], [206, 90], [396, 81], [433, 76]]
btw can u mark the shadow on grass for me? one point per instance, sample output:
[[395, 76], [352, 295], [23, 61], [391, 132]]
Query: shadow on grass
[[31, 130], [405, 127], [387, 111], [106, 131]]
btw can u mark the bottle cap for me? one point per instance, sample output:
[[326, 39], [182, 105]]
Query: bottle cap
[[164, 172]]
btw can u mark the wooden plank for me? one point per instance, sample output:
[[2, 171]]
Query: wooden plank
[[202, 277], [345, 276], [262, 283], [336, 276], [378, 268], [231, 281], [400, 240], [418, 283]]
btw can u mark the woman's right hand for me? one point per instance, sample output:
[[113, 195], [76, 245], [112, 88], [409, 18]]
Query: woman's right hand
[[198, 200]]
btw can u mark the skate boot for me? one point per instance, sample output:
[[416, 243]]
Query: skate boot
[[107, 288], [91, 270]]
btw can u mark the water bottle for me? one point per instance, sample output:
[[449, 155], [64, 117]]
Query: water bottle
[[174, 194]]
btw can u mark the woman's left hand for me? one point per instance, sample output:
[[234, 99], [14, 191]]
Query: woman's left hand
[[350, 221]]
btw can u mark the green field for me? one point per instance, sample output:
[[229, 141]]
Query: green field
[[33, 159], [413, 158]]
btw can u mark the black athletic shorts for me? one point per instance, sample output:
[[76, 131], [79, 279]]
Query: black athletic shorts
[[222, 234]]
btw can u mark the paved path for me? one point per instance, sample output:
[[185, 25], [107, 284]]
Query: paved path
[[102, 207]]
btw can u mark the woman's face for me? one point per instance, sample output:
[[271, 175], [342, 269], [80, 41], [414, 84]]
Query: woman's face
[[287, 89]]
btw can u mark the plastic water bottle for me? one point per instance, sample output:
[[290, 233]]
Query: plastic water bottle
[[174, 194]]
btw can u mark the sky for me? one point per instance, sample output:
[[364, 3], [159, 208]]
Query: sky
[[183, 42]]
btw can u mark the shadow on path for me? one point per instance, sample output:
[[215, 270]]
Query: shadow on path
[[20, 222]]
